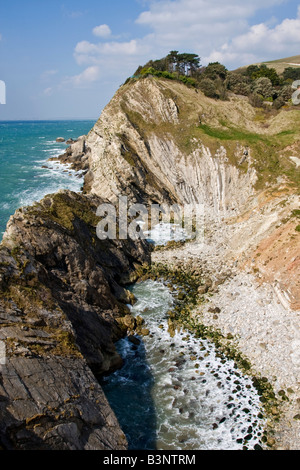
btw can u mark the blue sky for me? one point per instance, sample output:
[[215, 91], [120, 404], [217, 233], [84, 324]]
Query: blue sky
[[65, 59]]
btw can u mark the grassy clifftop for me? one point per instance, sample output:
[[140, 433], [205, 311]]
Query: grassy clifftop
[[280, 64], [272, 136]]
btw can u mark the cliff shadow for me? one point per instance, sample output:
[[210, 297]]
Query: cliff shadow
[[129, 393]]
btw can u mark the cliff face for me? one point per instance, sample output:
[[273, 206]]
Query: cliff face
[[61, 295], [145, 145], [62, 289], [160, 141]]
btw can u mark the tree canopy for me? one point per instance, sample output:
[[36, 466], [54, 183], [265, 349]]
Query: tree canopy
[[184, 63], [255, 71], [258, 82], [291, 73]]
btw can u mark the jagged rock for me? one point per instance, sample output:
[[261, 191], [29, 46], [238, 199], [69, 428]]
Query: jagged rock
[[62, 290], [59, 304], [76, 155], [128, 156], [55, 404]]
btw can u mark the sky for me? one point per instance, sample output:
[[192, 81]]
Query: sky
[[65, 59]]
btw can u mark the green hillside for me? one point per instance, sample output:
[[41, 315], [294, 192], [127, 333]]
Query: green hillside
[[280, 64]]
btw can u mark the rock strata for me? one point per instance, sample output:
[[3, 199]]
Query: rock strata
[[61, 295], [63, 303], [76, 155]]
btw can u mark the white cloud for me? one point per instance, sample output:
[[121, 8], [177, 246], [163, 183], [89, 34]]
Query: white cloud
[[90, 50], [109, 56], [261, 42], [89, 75], [48, 74], [102, 31], [75, 14], [218, 30], [209, 28], [72, 14], [48, 91]]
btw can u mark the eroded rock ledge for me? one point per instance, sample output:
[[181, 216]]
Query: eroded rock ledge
[[61, 298]]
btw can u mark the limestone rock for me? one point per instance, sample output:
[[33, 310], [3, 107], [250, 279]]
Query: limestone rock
[[135, 149], [59, 304]]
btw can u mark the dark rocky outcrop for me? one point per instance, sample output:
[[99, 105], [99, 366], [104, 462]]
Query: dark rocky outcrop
[[62, 295], [76, 155], [61, 298]]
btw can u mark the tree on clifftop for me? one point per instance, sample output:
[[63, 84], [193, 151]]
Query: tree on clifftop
[[215, 70], [184, 64]]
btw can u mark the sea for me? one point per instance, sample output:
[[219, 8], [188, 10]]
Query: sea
[[173, 393], [26, 175]]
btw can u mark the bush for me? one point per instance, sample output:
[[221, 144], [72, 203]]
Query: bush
[[291, 73], [215, 70], [208, 87], [165, 74], [263, 86], [187, 80], [266, 72], [238, 83], [256, 100], [278, 103], [286, 92]]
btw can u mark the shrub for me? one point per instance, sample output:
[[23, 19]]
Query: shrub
[[291, 73], [286, 92], [238, 83], [256, 100], [264, 71], [187, 80], [278, 103], [263, 86], [208, 87], [215, 70]]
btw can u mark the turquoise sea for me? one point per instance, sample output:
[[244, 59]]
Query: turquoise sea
[[176, 390], [25, 174]]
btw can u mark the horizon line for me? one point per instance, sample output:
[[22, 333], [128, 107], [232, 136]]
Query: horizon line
[[48, 119]]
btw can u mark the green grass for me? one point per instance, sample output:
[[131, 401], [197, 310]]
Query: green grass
[[267, 150], [231, 133], [296, 213]]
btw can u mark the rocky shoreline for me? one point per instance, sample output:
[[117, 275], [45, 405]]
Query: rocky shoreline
[[62, 295], [76, 155], [250, 314]]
